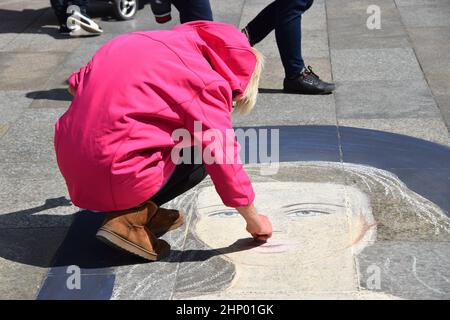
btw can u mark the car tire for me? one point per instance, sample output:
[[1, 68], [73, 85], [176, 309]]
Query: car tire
[[125, 9]]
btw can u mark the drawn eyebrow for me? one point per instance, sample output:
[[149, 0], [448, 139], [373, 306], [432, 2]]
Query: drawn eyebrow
[[291, 208], [296, 210], [216, 213], [312, 203]]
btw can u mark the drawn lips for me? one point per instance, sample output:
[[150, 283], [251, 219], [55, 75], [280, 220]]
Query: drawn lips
[[276, 246]]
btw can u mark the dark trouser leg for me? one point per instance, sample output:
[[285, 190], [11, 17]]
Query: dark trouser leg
[[192, 10], [184, 178], [262, 24], [287, 24], [83, 4], [60, 7]]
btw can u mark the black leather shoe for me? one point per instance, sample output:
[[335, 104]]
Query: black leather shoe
[[307, 82]]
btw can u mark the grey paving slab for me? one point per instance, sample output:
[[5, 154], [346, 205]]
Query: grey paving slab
[[375, 64], [227, 11], [22, 71], [315, 18], [432, 46], [272, 75], [16, 16], [25, 255], [385, 99], [342, 8], [314, 45], [426, 16], [439, 82], [26, 188], [12, 105], [403, 3], [31, 137], [351, 32], [35, 147], [75, 60], [444, 105], [41, 208], [289, 109], [430, 36], [408, 270], [5, 38], [431, 129], [42, 36], [31, 171], [37, 117]]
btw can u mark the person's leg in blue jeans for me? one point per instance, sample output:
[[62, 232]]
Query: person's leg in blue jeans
[[284, 16], [191, 10]]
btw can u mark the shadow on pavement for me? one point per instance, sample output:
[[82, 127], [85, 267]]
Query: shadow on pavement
[[57, 94], [273, 91], [268, 90], [80, 246]]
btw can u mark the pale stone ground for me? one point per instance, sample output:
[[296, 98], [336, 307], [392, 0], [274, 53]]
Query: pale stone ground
[[396, 79]]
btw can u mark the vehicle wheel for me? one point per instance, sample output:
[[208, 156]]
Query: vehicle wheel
[[125, 9]]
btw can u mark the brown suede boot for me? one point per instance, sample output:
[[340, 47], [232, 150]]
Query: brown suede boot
[[165, 220], [128, 230]]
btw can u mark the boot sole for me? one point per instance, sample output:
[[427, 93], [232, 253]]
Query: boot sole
[[117, 241]]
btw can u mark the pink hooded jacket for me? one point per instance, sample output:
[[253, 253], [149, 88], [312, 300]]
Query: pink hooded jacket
[[114, 143]]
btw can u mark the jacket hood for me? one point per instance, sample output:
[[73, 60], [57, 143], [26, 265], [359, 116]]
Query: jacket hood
[[227, 50]]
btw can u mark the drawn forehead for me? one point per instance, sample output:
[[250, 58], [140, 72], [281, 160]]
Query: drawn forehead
[[283, 194]]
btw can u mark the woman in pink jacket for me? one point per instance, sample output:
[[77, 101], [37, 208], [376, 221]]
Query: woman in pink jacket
[[115, 144]]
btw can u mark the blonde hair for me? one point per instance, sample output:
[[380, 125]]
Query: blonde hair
[[247, 101]]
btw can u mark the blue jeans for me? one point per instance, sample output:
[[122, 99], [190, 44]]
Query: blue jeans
[[191, 10], [60, 8], [285, 17]]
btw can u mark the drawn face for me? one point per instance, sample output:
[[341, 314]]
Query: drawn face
[[320, 225]]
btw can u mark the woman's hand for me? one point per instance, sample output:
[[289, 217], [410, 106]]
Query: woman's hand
[[258, 226]]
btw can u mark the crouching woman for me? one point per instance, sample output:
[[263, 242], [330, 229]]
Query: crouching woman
[[114, 145]]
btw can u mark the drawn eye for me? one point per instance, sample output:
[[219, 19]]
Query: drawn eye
[[306, 213], [225, 214]]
